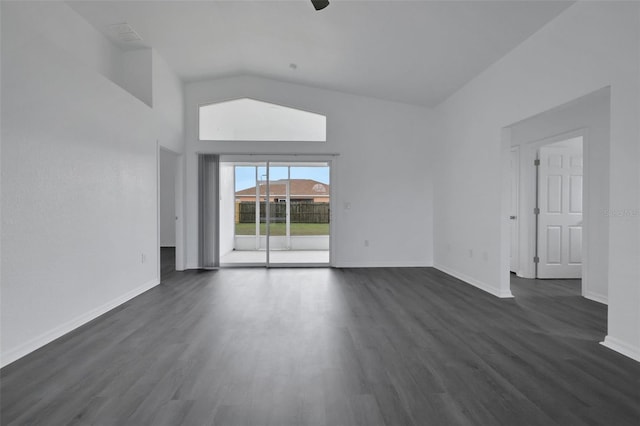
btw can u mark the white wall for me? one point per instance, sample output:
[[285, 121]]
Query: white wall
[[589, 46], [62, 29], [79, 178], [227, 208], [167, 198], [1, 174], [136, 67], [168, 105], [588, 116], [383, 169]]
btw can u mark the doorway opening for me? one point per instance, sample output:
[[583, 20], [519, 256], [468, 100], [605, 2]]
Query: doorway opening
[[571, 143], [168, 166], [546, 208], [275, 213]]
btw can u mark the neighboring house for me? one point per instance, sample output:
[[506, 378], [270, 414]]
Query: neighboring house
[[300, 190]]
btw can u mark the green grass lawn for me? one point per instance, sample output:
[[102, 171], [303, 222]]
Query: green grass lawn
[[278, 229]]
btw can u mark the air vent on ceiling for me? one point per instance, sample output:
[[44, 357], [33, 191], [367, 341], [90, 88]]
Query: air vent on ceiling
[[125, 32]]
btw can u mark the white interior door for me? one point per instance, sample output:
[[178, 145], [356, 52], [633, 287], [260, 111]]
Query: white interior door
[[513, 210], [560, 203]]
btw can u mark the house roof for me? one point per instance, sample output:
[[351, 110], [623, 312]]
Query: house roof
[[299, 188]]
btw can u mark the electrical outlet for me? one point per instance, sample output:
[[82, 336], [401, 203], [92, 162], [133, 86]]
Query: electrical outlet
[[470, 253], [143, 258], [366, 243]]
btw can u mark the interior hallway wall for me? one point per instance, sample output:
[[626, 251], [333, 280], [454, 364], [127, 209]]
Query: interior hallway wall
[[590, 116], [589, 46], [79, 176]]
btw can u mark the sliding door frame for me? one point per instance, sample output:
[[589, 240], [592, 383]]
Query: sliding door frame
[[267, 159]]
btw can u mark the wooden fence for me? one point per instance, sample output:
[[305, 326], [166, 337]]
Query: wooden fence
[[300, 212]]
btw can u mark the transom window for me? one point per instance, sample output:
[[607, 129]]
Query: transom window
[[250, 120]]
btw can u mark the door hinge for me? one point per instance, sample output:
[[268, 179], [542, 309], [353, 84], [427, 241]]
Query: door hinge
[[536, 210], [536, 162], [536, 259]]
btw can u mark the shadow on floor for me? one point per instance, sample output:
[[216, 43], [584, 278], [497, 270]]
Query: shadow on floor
[[167, 262]]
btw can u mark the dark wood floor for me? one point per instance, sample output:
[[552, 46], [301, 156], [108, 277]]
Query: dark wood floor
[[331, 347], [167, 262]]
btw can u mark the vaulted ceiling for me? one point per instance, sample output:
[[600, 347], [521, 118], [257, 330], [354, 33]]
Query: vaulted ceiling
[[417, 52]]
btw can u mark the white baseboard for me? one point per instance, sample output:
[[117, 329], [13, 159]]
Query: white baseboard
[[392, 264], [596, 297], [503, 294], [11, 355], [624, 348], [383, 264]]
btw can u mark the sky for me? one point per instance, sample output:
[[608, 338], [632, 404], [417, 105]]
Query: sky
[[246, 175]]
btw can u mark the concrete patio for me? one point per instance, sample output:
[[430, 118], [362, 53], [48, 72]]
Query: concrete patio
[[304, 257]]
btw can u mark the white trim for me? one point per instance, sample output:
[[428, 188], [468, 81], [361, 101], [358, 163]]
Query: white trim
[[596, 297], [333, 196], [476, 283], [274, 157], [14, 354], [158, 190], [181, 243], [621, 347], [586, 217], [383, 264], [515, 149]]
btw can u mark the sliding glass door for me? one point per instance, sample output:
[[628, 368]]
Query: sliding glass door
[[243, 238], [299, 207], [274, 213]]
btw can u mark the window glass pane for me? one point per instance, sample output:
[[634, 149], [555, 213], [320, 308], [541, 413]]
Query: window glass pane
[[251, 120]]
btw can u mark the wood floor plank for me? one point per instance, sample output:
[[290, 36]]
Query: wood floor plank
[[385, 346]]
